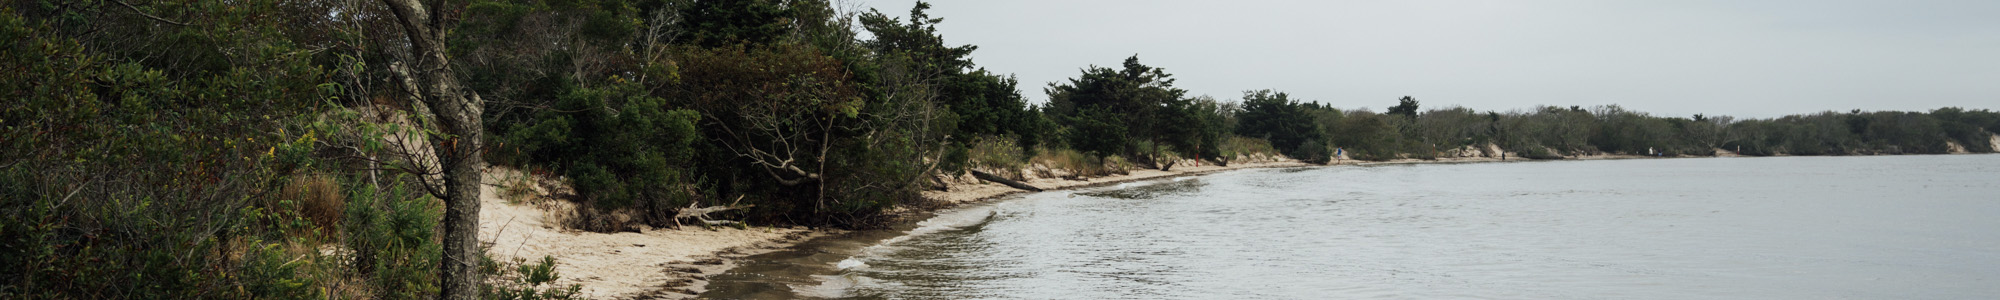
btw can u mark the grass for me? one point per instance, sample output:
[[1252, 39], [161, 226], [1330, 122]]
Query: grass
[[318, 198], [1237, 146], [998, 154], [1081, 164]]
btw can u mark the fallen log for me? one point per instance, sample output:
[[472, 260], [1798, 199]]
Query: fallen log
[[701, 213], [1003, 180]]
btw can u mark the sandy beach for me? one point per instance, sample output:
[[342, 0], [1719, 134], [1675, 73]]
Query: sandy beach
[[663, 263]]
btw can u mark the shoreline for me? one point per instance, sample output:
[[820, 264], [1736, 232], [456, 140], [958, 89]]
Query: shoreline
[[969, 191], [676, 263], [647, 264]]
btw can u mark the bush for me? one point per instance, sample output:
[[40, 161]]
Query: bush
[[392, 235], [528, 281], [1245, 146], [1311, 151], [1078, 163], [621, 150], [998, 154]]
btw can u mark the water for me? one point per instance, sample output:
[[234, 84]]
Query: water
[[1885, 227]]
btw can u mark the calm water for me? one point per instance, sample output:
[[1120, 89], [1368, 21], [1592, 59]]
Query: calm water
[[1886, 227]]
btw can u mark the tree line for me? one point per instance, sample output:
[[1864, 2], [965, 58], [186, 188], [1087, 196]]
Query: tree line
[[209, 149], [1309, 130]]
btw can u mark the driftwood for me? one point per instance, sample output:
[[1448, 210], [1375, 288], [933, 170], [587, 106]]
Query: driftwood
[[701, 213], [1003, 180], [1168, 166], [937, 183]]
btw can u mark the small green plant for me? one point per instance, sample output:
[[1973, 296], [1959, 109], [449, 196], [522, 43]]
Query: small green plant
[[529, 281], [518, 189]]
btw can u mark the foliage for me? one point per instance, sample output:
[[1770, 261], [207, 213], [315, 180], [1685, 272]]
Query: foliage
[[997, 153], [1109, 111], [716, 23], [392, 235], [127, 174], [530, 281], [1244, 146], [982, 103], [1286, 123], [1079, 163], [620, 148], [1406, 107], [1366, 136]]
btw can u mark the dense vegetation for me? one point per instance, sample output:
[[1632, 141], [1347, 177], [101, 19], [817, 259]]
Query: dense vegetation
[[298, 149], [1550, 132]]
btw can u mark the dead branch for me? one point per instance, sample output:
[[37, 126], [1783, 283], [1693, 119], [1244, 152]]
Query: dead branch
[[701, 213], [1002, 180]]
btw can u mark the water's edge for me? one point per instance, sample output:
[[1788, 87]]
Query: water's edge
[[830, 250], [809, 268]]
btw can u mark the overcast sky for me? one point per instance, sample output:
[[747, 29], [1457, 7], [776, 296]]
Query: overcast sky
[[1673, 58]]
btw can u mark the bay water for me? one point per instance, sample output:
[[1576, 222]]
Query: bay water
[[1873, 227]]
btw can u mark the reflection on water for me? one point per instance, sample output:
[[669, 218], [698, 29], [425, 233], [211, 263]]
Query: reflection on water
[[1756, 228]]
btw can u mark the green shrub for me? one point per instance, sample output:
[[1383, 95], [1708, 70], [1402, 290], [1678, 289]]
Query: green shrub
[[1246, 146], [528, 281], [997, 153], [1312, 151], [392, 233], [621, 150]]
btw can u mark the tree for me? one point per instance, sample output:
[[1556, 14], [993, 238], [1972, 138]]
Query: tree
[[1276, 117], [773, 108], [1367, 136], [916, 61], [1407, 107], [1106, 108], [457, 112], [716, 23]]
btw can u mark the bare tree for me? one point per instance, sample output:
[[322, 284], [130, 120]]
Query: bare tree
[[455, 112]]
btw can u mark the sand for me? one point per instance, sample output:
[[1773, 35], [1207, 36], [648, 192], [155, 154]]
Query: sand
[[665, 263], [967, 190]]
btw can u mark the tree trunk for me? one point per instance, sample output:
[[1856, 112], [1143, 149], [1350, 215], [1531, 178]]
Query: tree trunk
[[456, 111], [1003, 180]]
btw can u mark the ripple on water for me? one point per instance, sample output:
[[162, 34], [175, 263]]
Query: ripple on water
[[1785, 228]]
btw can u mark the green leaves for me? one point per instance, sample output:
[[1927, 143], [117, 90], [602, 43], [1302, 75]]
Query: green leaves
[[623, 149], [1277, 117], [1109, 110]]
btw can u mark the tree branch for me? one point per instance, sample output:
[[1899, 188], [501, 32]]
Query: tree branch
[[135, 9]]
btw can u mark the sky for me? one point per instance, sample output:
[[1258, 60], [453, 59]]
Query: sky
[[1749, 59]]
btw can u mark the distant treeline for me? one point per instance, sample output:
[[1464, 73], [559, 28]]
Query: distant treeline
[[212, 149], [1306, 130]]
